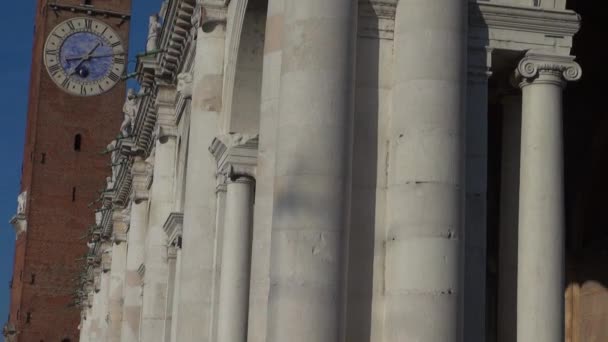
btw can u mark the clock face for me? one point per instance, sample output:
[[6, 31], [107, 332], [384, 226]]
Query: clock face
[[84, 56]]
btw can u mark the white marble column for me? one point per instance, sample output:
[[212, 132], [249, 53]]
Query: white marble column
[[426, 185], [136, 238], [312, 171], [509, 204], [176, 289], [236, 261], [161, 204], [197, 273], [117, 277], [541, 246], [264, 193], [171, 273]]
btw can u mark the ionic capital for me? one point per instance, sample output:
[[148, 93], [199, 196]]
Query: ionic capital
[[536, 68]]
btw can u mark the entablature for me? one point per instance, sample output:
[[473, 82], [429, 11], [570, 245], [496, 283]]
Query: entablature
[[236, 155], [521, 28], [173, 228]]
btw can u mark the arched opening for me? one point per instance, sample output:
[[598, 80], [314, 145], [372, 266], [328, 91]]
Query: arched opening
[[245, 109], [77, 142]]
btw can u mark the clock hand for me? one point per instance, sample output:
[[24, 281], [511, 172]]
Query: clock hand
[[108, 55], [84, 58], [86, 55]]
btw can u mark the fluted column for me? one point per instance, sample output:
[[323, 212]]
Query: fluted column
[[136, 238], [162, 197], [236, 261], [509, 204], [313, 159], [541, 246], [425, 240], [197, 267]]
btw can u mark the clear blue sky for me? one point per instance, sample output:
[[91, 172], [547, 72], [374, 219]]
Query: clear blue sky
[[16, 27]]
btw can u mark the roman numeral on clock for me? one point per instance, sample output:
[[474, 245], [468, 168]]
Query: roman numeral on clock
[[119, 60], [71, 25], [66, 83], [52, 52], [55, 69], [116, 44], [114, 77], [88, 24]]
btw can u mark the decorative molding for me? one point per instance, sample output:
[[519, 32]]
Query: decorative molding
[[184, 85], [142, 174], [209, 13], [236, 155], [552, 22], [536, 64], [377, 18], [166, 121], [173, 227]]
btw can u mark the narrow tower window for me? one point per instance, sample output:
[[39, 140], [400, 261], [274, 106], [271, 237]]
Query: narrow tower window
[[77, 142], [43, 160], [74, 194], [33, 280], [28, 317]]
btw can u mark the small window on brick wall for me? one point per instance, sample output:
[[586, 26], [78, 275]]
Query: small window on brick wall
[[77, 142], [74, 194], [28, 317], [33, 280]]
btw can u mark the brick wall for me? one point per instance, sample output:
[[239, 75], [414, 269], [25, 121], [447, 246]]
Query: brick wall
[[61, 182]]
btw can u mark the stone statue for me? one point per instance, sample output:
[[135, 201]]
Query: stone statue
[[154, 27], [21, 203], [112, 147], [9, 332], [129, 110]]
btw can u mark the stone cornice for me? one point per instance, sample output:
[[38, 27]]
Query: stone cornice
[[176, 37], [536, 64], [173, 228], [146, 71], [236, 155], [145, 122], [561, 23]]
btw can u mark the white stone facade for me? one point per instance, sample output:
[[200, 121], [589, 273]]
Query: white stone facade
[[315, 170]]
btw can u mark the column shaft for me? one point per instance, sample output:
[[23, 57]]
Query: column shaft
[[175, 306], [117, 280], [540, 278], [236, 262], [136, 237], [425, 240], [269, 112], [312, 171], [509, 204], [197, 268], [155, 278]]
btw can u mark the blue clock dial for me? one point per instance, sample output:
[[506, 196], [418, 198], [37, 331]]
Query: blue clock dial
[[84, 56]]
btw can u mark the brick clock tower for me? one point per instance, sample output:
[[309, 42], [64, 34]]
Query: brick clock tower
[[75, 102]]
